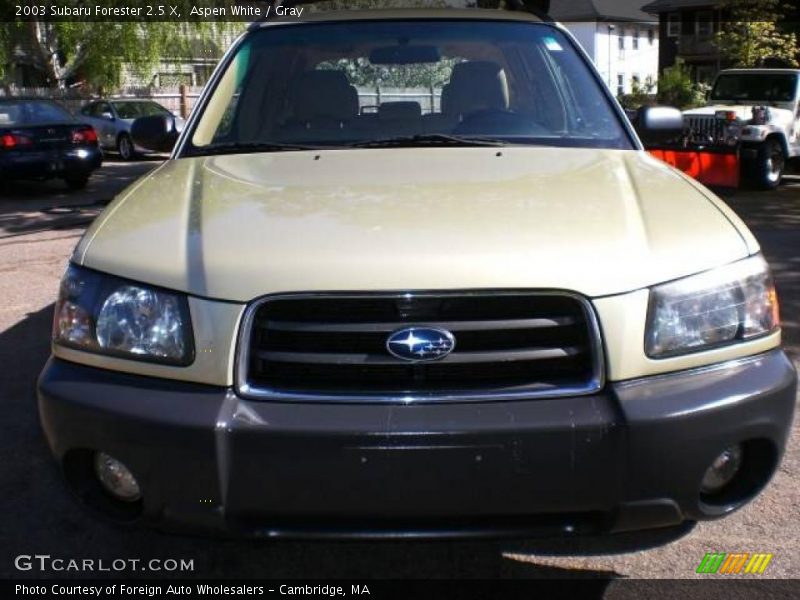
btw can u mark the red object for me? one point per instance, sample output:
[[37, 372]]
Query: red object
[[709, 168], [84, 135], [9, 141]]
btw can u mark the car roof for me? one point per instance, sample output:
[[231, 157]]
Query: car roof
[[379, 14]]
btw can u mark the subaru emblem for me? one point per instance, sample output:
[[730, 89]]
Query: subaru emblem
[[420, 344]]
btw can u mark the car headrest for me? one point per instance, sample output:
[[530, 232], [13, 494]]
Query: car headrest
[[400, 110], [324, 95], [444, 99], [476, 85]]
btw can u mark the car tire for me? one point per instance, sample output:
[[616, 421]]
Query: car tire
[[125, 147], [76, 182], [770, 165]]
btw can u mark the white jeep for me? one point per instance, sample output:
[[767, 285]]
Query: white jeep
[[754, 111]]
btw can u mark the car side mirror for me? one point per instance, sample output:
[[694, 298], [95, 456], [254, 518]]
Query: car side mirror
[[156, 133], [658, 124]]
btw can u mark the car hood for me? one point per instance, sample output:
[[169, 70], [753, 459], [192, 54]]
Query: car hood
[[744, 112], [236, 227]]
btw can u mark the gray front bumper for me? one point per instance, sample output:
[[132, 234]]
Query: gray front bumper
[[630, 457]]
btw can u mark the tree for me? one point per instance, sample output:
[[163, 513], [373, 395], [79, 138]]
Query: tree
[[752, 35], [641, 95], [96, 52], [677, 88]]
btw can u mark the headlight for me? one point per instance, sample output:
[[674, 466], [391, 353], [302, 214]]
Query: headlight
[[732, 303], [109, 315]]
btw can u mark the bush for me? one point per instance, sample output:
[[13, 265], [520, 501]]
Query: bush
[[676, 88], [641, 95]]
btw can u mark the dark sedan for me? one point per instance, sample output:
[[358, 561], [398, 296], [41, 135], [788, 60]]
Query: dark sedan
[[40, 139]]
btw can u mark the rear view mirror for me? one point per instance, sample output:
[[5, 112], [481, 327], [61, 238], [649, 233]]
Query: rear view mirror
[[404, 55], [658, 124], [156, 133]]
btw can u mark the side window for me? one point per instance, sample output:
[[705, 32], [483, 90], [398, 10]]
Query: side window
[[88, 110]]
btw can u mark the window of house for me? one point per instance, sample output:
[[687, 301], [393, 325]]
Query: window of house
[[651, 36], [621, 43], [620, 84], [704, 25], [636, 34], [673, 24]]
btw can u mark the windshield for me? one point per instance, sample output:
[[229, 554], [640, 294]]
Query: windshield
[[756, 87], [32, 112], [133, 110], [356, 83]]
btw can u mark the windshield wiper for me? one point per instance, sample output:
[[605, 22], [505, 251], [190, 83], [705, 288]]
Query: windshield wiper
[[249, 147], [428, 139]]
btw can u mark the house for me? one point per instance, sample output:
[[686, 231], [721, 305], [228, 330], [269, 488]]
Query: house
[[618, 36], [191, 65], [686, 29], [194, 68]]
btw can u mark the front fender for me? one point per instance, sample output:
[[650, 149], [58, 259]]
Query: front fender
[[757, 134]]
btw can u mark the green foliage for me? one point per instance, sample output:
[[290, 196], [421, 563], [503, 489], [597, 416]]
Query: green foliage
[[677, 88], [96, 52], [362, 73], [641, 95], [753, 34], [5, 48]]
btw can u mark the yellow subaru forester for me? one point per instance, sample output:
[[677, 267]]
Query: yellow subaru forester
[[412, 273]]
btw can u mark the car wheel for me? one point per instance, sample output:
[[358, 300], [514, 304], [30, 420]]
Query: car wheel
[[770, 165], [76, 182], [125, 147]]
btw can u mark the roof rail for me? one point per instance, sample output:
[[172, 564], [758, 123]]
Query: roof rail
[[538, 8]]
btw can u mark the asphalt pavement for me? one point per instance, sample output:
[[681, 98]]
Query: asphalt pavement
[[39, 225]]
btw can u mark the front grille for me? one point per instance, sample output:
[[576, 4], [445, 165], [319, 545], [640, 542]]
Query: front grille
[[335, 346], [706, 129]]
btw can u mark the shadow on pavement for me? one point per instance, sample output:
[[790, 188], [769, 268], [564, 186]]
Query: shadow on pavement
[[774, 218], [40, 516], [29, 206], [115, 174]]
